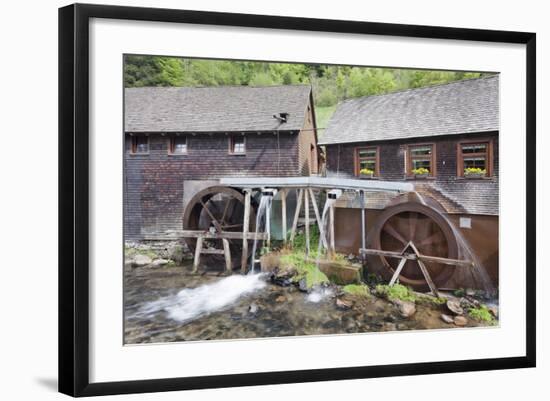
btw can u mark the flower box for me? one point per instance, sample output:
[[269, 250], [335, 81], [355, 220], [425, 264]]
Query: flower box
[[474, 175], [366, 176]]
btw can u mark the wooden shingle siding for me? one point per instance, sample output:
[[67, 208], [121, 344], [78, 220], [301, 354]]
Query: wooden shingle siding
[[461, 195], [308, 162], [153, 182]]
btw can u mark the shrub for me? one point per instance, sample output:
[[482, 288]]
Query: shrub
[[366, 171], [360, 290], [481, 313], [474, 170]]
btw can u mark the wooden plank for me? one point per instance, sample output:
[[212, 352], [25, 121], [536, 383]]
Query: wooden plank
[[223, 234], [363, 228], [212, 251], [296, 215], [318, 218], [198, 248], [246, 226], [227, 254], [306, 212], [283, 214]]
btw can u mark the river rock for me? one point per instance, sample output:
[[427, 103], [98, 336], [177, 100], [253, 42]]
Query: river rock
[[406, 308], [159, 262], [454, 306], [176, 252], [389, 326], [470, 292], [343, 303], [447, 318], [460, 321], [141, 260], [493, 310], [280, 298], [253, 308]]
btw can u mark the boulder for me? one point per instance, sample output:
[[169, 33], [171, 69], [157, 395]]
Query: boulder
[[141, 260], [460, 321], [406, 308], [176, 252]]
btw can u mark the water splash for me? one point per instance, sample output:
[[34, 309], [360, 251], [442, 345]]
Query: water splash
[[319, 294], [264, 215], [192, 303]]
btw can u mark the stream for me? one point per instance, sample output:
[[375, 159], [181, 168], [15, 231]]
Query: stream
[[169, 304]]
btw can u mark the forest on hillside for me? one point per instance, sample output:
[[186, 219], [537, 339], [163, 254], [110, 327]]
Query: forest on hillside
[[330, 83]]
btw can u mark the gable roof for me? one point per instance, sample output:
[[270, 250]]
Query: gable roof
[[454, 108], [213, 109]]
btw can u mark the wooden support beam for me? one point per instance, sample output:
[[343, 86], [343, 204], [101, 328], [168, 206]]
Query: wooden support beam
[[198, 249], [398, 271], [306, 212], [363, 228], [318, 218], [283, 214], [412, 256], [246, 224], [428, 278], [296, 215], [227, 254], [331, 231], [212, 251]]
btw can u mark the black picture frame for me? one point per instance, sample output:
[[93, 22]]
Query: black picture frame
[[74, 198]]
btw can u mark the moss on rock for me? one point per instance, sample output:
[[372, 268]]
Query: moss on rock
[[306, 271], [481, 313], [396, 291], [360, 290]]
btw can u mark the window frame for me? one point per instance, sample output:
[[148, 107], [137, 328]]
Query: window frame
[[357, 159], [172, 145], [134, 144], [409, 159], [231, 142], [488, 153]]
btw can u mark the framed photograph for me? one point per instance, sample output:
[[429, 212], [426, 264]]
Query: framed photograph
[[251, 199]]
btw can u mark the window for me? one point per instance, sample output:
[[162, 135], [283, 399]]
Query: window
[[366, 160], [474, 159], [421, 160], [140, 144], [237, 145], [178, 145]]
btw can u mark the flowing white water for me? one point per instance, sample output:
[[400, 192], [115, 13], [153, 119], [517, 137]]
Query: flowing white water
[[264, 215], [319, 294], [478, 272], [192, 303]]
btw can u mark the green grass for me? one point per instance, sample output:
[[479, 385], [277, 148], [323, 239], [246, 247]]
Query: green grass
[[322, 117], [360, 290], [304, 269], [481, 313], [396, 291]]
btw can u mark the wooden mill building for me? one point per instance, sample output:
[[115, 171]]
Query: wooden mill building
[[444, 129], [174, 135]]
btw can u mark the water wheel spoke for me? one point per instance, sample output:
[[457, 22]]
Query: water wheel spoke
[[211, 215], [393, 232], [413, 219], [230, 202], [435, 239], [226, 226]]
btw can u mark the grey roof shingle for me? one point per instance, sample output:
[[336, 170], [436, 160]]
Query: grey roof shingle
[[212, 109], [459, 107]]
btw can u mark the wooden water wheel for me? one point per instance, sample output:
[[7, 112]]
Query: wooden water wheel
[[217, 210], [421, 225]]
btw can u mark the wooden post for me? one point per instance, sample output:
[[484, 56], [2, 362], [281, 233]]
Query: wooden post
[[331, 231], [246, 224], [363, 229], [283, 214], [198, 249], [318, 218], [306, 212], [296, 215], [227, 254]]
